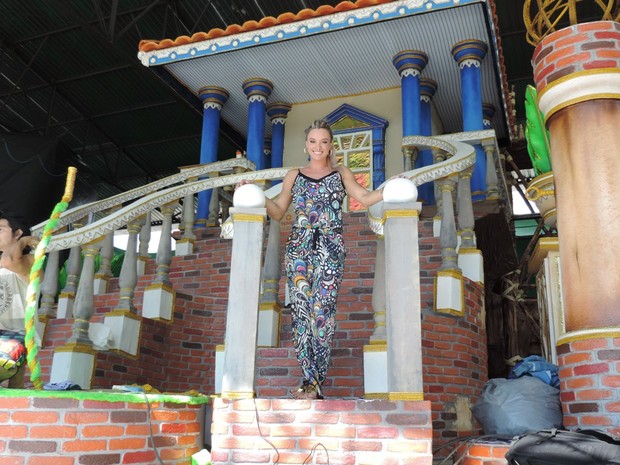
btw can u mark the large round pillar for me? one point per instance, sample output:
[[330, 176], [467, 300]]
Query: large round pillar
[[409, 64], [577, 74], [257, 91], [213, 99], [277, 112], [428, 87], [469, 54]]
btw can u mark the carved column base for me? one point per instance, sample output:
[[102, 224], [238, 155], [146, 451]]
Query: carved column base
[[73, 362], [471, 262], [219, 367], [375, 370], [158, 303], [449, 292], [184, 247], [41, 325], [65, 305], [436, 226], [141, 265], [269, 325], [125, 328], [100, 285]]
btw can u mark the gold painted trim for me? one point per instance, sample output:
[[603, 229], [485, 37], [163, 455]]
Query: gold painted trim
[[469, 250], [587, 72], [375, 347], [186, 241], [220, 348], [162, 286], [585, 98], [124, 313], [234, 395], [454, 274], [77, 347], [248, 217], [582, 335], [406, 396], [400, 214], [541, 250], [67, 295], [376, 395]]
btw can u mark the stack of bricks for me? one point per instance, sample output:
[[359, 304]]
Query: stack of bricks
[[590, 384], [480, 453], [78, 431], [332, 431]]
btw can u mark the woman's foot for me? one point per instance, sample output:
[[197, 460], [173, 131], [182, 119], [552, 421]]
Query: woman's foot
[[308, 390]]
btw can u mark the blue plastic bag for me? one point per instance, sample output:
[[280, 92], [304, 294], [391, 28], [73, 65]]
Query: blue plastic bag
[[536, 366]]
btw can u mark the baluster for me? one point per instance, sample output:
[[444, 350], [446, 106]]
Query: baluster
[[492, 182], [214, 204], [84, 308], [49, 288], [102, 277], [449, 291], [67, 296], [378, 293], [159, 297], [123, 321], [185, 245], [470, 258], [143, 247], [75, 361], [438, 156], [410, 155]]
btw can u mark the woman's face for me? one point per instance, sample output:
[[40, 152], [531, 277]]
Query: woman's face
[[318, 144]]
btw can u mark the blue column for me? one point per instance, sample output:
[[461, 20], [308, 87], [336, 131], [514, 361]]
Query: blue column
[[213, 99], [277, 112], [257, 91], [469, 54], [488, 111], [267, 152], [428, 87], [409, 64]]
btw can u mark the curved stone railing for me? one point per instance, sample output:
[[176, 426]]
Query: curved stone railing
[[461, 156], [80, 212]]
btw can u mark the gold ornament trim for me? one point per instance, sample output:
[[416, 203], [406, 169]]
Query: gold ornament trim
[[415, 396]]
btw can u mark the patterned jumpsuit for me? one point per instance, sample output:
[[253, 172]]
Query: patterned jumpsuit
[[314, 263]]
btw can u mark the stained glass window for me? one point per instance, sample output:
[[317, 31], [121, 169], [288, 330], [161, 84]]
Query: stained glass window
[[354, 150]]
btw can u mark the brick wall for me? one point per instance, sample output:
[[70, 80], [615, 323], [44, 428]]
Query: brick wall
[[590, 384], [576, 48], [181, 356], [480, 453], [58, 429], [338, 431]]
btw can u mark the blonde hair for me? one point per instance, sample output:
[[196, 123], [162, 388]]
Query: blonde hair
[[323, 124]]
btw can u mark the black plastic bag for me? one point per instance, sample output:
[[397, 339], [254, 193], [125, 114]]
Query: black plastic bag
[[517, 406], [559, 447]]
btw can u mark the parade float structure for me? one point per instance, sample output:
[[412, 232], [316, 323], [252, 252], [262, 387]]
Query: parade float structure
[[411, 87]]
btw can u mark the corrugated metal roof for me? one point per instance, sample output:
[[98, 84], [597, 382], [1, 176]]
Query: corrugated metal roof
[[69, 70]]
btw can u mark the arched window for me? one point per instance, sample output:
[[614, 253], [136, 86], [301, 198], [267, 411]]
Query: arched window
[[359, 142]]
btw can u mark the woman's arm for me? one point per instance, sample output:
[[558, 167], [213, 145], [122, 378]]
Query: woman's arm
[[358, 192], [277, 208]]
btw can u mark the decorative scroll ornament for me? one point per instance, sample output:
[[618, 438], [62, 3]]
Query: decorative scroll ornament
[[469, 63], [409, 72], [212, 106], [257, 98]]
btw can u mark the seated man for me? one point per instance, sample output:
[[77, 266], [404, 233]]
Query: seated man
[[15, 264]]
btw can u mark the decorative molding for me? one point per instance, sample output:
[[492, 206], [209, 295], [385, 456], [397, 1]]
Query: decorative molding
[[74, 214], [295, 29]]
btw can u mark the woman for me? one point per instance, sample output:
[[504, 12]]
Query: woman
[[315, 252]]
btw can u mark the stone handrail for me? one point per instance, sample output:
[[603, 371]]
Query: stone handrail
[[123, 216], [462, 156], [77, 213]]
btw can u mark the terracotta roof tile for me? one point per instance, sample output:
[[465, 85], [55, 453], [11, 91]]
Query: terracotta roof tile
[[269, 21]]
